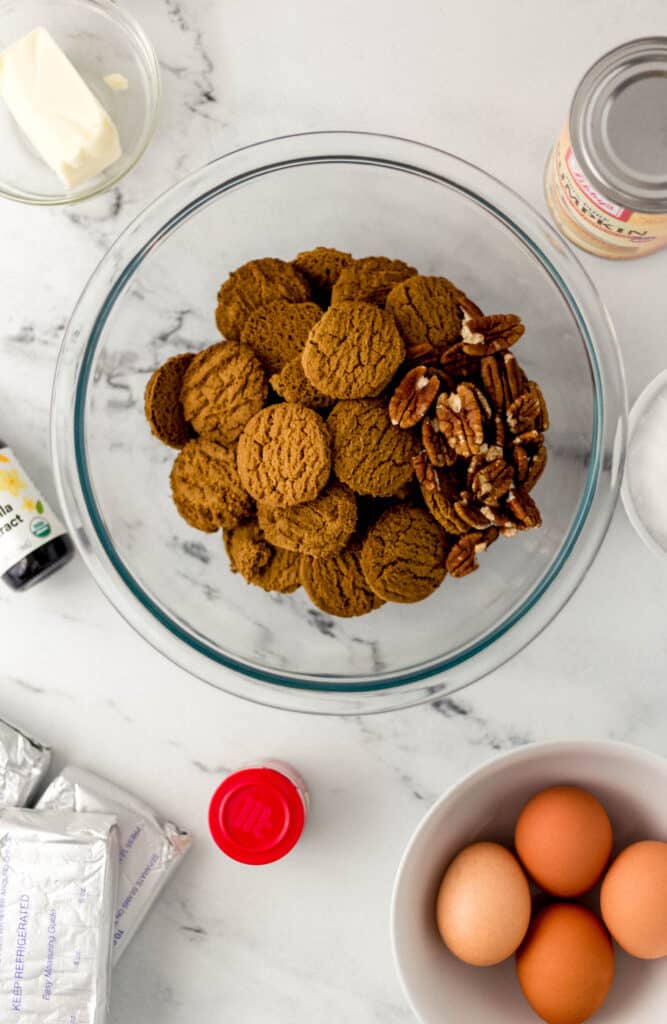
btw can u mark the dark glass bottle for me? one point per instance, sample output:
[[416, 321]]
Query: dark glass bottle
[[30, 532]]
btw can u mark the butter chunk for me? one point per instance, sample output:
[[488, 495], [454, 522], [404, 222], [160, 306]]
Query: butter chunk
[[116, 82], [59, 114]]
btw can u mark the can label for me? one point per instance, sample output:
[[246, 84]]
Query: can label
[[591, 220], [26, 521]]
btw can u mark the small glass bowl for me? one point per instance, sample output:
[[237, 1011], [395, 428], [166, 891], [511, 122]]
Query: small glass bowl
[[641, 517], [100, 38]]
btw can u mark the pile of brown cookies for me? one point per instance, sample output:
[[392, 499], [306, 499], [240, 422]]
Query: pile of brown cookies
[[362, 431]]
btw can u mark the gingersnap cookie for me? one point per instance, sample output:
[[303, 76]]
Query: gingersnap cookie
[[321, 268], [369, 454], [336, 584], [426, 310], [369, 280], [441, 503], [162, 402], [248, 552], [206, 486], [253, 285], [278, 332], [293, 386], [284, 455], [353, 351], [403, 555], [259, 562], [223, 388], [319, 527]]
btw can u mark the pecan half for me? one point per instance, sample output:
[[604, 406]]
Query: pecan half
[[531, 439], [482, 401], [501, 519], [420, 352], [521, 460], [435, 445], [543, 419], [530, 457], [456, 363], [468, 307], [484, 335], [471, 514], [425, 471], [515, 378], [441, 504], [412, 398], [487, 453], [448, 381], [523, 508], [475, 464], [524, 412], [492, 482], [462, 559], [537, 467], [502, 379], [460, 419], [492, 374], [499, 431]]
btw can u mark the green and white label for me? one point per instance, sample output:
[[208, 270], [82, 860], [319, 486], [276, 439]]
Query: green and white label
[[26, 521]]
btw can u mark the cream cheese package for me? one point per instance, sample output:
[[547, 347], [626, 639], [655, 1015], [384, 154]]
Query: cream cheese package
[[58, 878], [150, 849], [23, 764]]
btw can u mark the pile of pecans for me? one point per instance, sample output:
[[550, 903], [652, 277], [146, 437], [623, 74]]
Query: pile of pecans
[[481, 423]]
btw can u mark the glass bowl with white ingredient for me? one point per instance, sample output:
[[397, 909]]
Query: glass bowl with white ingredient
[[46, 107], [644, 489]]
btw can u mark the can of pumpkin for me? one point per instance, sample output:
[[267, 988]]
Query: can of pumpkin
[[606, 177]]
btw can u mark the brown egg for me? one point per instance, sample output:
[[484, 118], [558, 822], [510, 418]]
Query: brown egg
[[634, 900], [483, 907], [566, 965], [563, 838]]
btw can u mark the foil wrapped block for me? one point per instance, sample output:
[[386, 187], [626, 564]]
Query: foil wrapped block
[[23, 764], [150, 849], [58, 879]]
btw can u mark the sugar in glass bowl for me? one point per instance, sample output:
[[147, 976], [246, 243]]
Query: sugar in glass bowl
[[153, 296]]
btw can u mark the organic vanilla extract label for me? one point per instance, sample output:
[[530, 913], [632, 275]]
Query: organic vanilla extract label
[[26, 520]]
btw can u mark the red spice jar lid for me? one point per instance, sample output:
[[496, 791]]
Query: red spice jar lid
[[257, 815]]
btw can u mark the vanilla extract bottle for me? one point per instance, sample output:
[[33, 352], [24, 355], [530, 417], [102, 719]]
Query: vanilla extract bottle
[[33, 541]]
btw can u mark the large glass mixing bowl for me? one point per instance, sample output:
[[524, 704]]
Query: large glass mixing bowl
[[153, 296]]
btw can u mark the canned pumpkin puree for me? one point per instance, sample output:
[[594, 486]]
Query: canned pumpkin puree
[[606, 178]]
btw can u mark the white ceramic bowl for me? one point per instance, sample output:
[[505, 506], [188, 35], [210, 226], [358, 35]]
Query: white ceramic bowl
[[631, 783]]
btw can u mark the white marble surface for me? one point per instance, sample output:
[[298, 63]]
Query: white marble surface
[[307, 940]]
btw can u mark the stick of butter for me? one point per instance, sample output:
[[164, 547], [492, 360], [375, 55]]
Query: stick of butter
[[47, 96]]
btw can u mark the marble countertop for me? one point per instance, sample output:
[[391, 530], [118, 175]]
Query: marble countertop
[[307, 939]]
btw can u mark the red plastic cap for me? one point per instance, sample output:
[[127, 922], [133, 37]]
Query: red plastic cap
[[256, 816]]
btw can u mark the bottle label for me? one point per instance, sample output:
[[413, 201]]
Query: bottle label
[[26, 521], [591, 220]]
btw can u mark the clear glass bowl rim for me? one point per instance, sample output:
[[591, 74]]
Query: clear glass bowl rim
[[120, 14], [284, 690]]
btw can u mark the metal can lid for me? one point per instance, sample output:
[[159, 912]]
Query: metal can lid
[[618, 125], [257, 815]]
